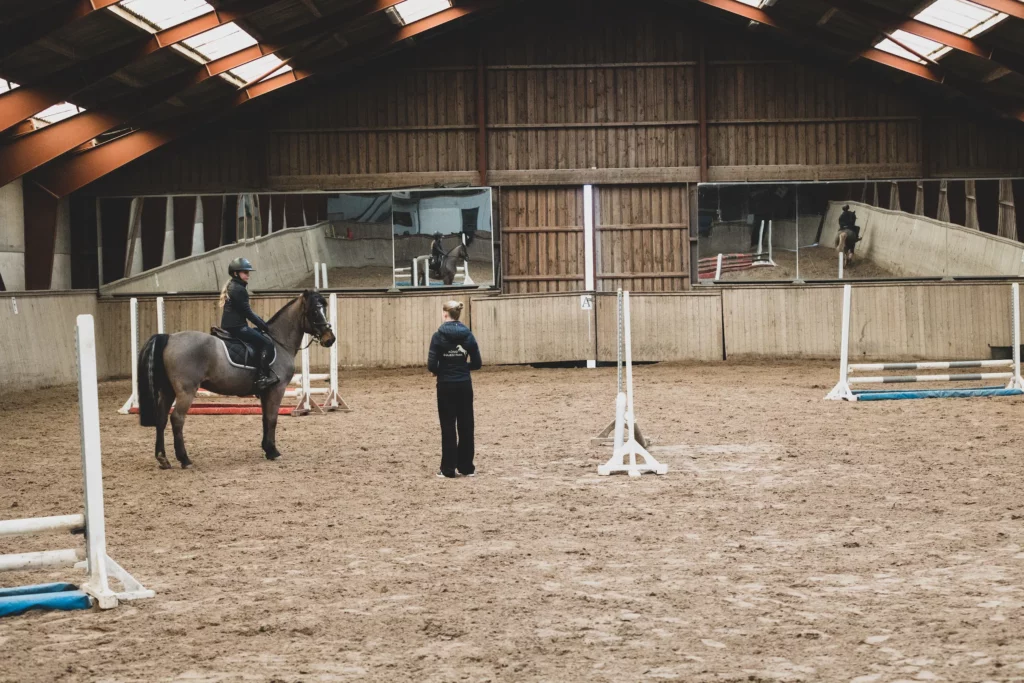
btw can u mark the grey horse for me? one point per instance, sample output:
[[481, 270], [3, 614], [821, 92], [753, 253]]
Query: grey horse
[[173, 367], [446, 271]]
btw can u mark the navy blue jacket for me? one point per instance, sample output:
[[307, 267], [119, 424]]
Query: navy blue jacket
[[237, 310], [453, 353]]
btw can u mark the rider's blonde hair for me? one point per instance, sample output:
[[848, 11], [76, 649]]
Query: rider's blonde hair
[[224, 293], [453, 309]]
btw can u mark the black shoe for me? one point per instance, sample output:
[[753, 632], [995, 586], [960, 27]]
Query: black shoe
[[265, 381], [442, 475]]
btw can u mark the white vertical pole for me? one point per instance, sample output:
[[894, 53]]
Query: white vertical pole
[[305, 372], [92, 475], [316, 275], [133, 400], [844, 351], [589, 283], [416, 273], [760, 240], [334, 351], [323, 277], [770, 259], [618, 337], [841, 265], [718, 268], [628, 343], [159, 315], [1015, 288]]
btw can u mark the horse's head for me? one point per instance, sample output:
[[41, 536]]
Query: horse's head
[[314, 318]]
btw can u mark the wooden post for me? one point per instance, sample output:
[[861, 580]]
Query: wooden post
[[481, 116], [702, 111]]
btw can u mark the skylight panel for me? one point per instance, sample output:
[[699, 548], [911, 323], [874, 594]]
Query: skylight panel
[[413, 10], [959, 16], [220, 41], [58, 112], [253, 70], [6, 85], [894, 49], [166, 13]]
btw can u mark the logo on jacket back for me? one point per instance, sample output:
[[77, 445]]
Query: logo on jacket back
[[457, 352]]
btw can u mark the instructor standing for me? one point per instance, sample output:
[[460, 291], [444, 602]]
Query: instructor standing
[[453, 354]]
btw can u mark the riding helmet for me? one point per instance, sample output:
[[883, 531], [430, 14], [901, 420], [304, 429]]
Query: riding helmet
[[239, 264], [437, 235]]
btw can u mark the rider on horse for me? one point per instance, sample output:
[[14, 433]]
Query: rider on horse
[[237, 315], [437, 253]]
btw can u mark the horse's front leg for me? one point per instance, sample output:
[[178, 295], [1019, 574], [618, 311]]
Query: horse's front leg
[[270, 402], [183, 401]]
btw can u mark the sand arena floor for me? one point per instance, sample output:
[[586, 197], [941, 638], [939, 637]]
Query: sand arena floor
[[792, 540]]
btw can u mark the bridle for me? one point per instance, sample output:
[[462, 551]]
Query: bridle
[[318, 327]]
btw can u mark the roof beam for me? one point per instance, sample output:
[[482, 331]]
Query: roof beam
[[762, 17], [74, 172], [21, 103], [932, 72], [1013, 8], [886, 21], [39, 26]]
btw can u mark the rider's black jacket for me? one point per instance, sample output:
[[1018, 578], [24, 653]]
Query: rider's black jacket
[[237, 310]]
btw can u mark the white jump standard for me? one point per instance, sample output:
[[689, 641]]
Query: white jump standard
[[843, 391], [93, 558], [626, 451]]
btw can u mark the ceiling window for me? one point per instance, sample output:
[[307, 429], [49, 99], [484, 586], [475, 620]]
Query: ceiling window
[[413, 10], [958, 16], [157, 15], [58, 112]]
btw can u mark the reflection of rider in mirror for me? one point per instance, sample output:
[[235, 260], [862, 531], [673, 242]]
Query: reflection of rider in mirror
[[436, 252], [848, 221]]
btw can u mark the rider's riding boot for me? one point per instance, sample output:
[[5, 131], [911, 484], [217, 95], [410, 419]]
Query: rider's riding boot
[[266, 377]]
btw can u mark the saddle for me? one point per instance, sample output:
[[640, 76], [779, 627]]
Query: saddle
[[239, 353]]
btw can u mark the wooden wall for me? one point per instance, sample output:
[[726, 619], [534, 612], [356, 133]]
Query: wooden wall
[[37, 340], [599, 92], [888, 322], [544, 328], [680, 327]]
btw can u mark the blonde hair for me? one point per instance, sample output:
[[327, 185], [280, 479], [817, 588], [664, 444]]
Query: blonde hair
[[224, 293], [453, 309]]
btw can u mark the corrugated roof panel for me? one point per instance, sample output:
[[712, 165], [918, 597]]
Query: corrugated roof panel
[[414, 10], [253, 70], [166, 13], [959, 16], [221, 41]]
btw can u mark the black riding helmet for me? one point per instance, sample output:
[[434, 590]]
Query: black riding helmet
[[437, 235], [238, 265]]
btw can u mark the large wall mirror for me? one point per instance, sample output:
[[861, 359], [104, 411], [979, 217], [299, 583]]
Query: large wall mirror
[[368, 240], [884, 230]]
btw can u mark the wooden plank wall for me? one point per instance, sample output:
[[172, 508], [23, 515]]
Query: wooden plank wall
[[541, 239], [665, 327], [541, 328], [643, 239], [888, 322], [37, 341], [779, 120]]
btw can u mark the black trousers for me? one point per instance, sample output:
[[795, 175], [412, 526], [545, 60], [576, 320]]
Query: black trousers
[[255, 338], [455, 409]]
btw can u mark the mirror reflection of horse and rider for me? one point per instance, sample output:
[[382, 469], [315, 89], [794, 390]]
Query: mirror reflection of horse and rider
[[410, 238], [788, 231], [443, 238]]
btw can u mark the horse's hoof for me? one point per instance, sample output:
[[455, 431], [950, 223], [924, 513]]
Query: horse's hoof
[[273, 455], [185, 465], [164, 465]]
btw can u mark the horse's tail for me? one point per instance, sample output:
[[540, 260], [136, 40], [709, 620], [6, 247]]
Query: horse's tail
[[153, 380], [841, 240]]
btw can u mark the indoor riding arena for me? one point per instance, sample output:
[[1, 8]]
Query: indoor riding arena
[[743, 281]]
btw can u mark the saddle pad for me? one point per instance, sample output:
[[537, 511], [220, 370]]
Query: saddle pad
[[240, 354]]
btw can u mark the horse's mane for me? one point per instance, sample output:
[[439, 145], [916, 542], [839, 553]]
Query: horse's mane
[[284, 308]]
